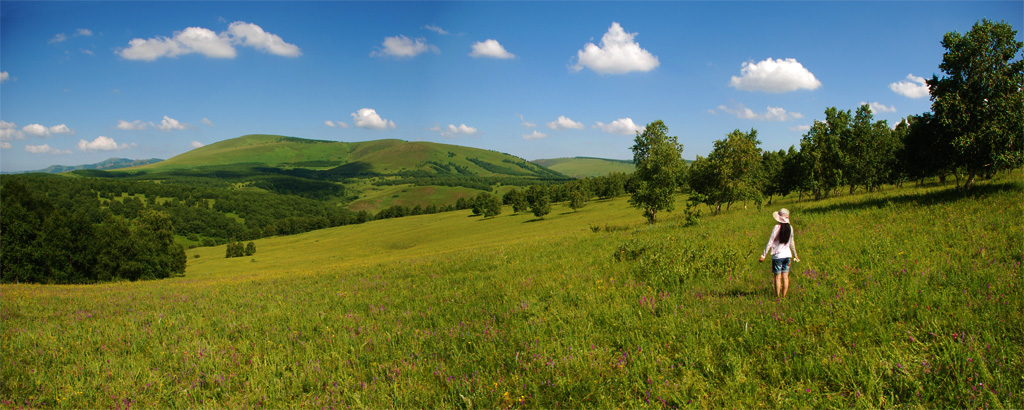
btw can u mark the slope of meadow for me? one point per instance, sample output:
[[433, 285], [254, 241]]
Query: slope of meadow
[[905, 298], [580, 167]]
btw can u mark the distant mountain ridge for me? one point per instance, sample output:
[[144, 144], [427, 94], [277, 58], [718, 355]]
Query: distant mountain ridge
[[108, 164]]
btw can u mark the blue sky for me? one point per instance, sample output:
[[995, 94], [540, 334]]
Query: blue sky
[[86, 81]]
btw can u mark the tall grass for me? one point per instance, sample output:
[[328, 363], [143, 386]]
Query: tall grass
[[905, 298]]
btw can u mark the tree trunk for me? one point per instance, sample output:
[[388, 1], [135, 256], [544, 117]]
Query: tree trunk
[[970, 181]]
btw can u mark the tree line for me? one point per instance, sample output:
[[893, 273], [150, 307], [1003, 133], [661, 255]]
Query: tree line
[[974, 129]]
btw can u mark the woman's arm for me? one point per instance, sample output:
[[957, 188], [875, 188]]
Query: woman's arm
[[771, 240]]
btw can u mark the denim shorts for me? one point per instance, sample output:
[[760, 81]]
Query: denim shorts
[[780, 265]]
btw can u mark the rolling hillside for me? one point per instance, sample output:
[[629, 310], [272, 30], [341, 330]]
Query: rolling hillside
[[582, 167], [369, 175]]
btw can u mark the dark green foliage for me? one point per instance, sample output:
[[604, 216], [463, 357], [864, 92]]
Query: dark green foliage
[[659, 162], [237, 250], [540, 202], [487, 205], [517, 199], [979, 100], [576, 200], [62, 236]]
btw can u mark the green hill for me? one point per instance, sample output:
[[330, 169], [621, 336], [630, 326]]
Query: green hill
[[582, 167], [362, 175]]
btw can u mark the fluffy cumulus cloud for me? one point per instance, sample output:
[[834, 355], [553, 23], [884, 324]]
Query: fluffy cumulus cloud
[[453, 131], [136, 125], [490, 49], [196, 144], [44, 131], [101, 143], [617, 54], [4, 76], [564, 123], [774, 76], [770, 113], [45, 149], [912, 87], [204, 41], [369, 119], [877, 107], [9, 131], [403, 47], [622, 126], [171, 124], [251, 35], [535, 135]]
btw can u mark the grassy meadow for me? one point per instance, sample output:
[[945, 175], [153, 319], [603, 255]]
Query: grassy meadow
[[909, 297]]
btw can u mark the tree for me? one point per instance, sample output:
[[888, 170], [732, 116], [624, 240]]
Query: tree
[[731, 172], [979, 101], [658, 159], [517, 199], [576, 200], [869, 151], [250, 248], [540, 202], [822, 154], [487, 205]]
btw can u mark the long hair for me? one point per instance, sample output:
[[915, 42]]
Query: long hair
[[785, 231]]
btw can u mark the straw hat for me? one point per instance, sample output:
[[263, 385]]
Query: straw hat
[[781, 215]]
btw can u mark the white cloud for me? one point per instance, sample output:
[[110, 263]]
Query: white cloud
[[800, 128], [770, 114], [914, 88], [5, 145], [623, 126], [43, 131], [329, 123], [37, 130], [9, 131], [84, 32], [4, 76], [404, 47], [206, 42], [251, 35], [207, 122], [535, 135], [453, 131], [436, 29], [89, 52], [877, 107], [490, 49], [618, 54], [333, 124], [563, 123], [526, 123], [136, 125], [196, 144], [170, 124], [57, 38], [774, 76], [101, 143], [369, 119], [45, 149]]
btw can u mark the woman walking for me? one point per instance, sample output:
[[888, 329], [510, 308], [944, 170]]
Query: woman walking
[[782, 247]]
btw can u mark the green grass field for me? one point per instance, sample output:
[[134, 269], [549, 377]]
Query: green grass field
[[906, 298]]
